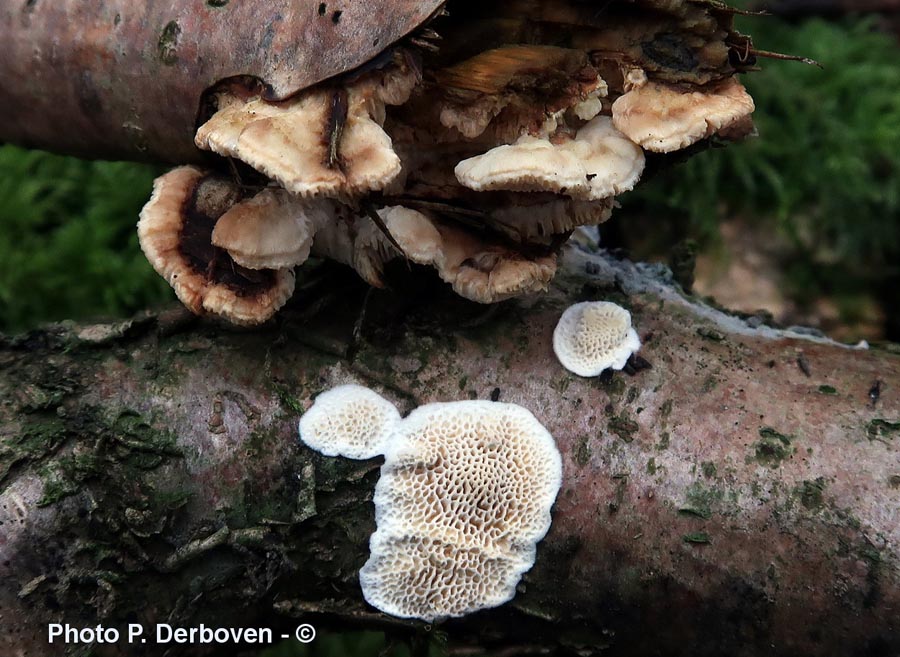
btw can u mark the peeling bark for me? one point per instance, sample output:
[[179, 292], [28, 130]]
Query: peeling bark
[[740, 496]]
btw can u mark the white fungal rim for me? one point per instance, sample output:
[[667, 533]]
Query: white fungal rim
[[567, 331]]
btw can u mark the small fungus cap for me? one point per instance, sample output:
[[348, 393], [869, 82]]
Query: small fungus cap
[[269, 231], [598, 163], [350, 421], [594, 335], [464, 496], [662, 118]]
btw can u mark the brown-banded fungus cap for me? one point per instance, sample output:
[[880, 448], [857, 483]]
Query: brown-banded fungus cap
[[594, 335], [323, 143], [175, 232], [464, 496], [664, 118], [350, 421], [271, 230], [598, 163]]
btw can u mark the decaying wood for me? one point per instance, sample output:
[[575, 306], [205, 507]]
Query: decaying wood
[[720, 499], [123, 79]]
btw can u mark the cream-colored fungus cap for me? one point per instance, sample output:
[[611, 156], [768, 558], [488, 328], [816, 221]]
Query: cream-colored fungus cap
[[662, 118], [598, 163], [288, 142], [464, 496], [594, 335], [272, 230], [350, 421]]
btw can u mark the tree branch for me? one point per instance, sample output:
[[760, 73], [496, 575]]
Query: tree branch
[[721, 501]]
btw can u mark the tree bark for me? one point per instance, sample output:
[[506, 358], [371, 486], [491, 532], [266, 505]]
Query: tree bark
[[738, 496]]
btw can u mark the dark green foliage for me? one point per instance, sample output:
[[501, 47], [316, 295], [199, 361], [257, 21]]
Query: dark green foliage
[[69, 247], [825, 169]]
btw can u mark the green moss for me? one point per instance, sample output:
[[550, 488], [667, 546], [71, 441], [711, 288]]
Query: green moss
[[810, 493], [701, 538], [827, 390], [624, 427], [44, 434], [64, 477], [700, 501], [708, 468], [663, 443], [288, 401], [665, 410], [773, 447], [709, 384], [880, 428], [651, 466]]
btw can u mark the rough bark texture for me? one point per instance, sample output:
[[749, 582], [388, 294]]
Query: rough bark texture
[[123, 79], [739, 497]]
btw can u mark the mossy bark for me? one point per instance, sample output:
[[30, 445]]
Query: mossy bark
[[716, 502]]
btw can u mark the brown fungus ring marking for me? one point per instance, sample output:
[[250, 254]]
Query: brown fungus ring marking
[[175, 232], [464, 497]]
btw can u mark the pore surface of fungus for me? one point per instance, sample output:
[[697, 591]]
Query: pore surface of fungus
[[350, 421], [594, 335], [464, 497]]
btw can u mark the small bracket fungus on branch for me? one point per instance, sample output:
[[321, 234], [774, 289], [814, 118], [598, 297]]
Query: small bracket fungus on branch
[[350, 421], [593, 336], [663, 118], [175, 232], [464, 497]]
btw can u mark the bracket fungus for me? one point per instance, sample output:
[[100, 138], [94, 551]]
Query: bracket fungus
[[474, 142], [464, 497], [593, 336], [350, 421], [597, 163], [663, 118], [175, 232]]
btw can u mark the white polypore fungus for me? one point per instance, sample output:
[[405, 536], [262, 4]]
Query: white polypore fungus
[[272, 230], [598, 163], [593, 336], [663, 118], [350, 421], [464, 497]]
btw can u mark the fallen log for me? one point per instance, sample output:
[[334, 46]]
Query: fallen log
[[736, 493]]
